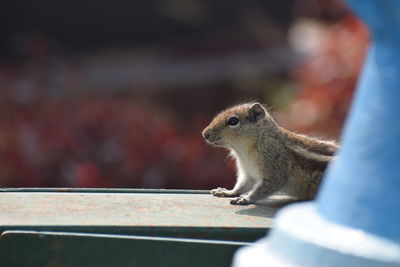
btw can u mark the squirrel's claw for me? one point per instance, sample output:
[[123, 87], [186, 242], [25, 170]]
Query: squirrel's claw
[[220, 192], [223, 192], [242, 200]]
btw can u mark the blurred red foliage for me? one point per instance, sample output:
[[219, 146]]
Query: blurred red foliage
[[52, 139], [326, 79], [103, 142]]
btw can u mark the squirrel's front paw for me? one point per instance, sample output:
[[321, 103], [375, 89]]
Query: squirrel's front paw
[[242, 200], [221, 192]]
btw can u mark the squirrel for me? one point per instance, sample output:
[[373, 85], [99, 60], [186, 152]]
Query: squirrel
[[269, 158]]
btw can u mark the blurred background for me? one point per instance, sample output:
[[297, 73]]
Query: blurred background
[[116, 93]]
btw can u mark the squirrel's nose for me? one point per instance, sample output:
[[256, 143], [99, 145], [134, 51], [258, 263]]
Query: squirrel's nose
[[206, 135]]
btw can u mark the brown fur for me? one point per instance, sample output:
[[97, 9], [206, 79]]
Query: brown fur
[[269, 158]]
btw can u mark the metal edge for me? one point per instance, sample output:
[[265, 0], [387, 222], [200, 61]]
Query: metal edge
[[101, 190]]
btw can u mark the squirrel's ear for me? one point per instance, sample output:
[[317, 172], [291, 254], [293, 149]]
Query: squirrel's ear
[[256, 112]]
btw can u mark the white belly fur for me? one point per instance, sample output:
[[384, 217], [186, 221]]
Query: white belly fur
[[246, 164]]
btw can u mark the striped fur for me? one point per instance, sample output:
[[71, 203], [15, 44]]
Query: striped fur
[[269, 158]]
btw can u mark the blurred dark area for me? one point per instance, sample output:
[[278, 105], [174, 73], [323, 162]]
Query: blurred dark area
[[115, 94]]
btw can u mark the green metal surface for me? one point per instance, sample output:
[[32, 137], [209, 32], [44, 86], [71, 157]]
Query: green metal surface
[[167, 213], [38, 249]]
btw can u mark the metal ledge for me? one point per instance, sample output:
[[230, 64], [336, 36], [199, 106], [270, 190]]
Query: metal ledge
[[28, 248], [167, 213]]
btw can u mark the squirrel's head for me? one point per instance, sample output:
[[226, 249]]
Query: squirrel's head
[[238, 124]]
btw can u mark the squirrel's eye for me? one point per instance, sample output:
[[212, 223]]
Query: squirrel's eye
[[233, 121]]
